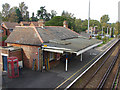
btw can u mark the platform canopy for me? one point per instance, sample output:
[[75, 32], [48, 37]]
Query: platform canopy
[[76, 45]]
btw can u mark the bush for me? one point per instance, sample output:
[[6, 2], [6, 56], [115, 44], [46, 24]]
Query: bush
[[4, 38]]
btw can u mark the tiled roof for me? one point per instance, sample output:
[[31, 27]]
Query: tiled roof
[[34, 23], [56, 36], [10, 25], [24, 35], [35, 35], [55, 32], [25, 23]]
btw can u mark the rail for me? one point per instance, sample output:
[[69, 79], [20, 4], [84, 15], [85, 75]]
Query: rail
[[91, 65], [102, 82]]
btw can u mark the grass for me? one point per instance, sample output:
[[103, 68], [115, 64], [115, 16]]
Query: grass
[[105, 41]]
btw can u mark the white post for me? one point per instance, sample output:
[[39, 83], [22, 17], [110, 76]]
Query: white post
[[107, 30], [81, 56], [110, 31], [66, 64], [102, 30], [89, 16], [94, 29]]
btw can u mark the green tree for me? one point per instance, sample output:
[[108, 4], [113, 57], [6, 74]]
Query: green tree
[[0, 18], [19, 15], [5, 11], [117, 28], [104, 19], [67, 14], [23, 8], [26, 17], [33, 18], [53, 13], [78, 25], [55, 21], [12, 15], [43, 14]]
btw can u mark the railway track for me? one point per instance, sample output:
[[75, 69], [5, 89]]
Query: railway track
[[97, 76], [116, 81]]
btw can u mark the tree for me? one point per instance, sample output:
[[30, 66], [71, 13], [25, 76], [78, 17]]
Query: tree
[[26, 17], [5, 11], [78, 25], [67, 14], [19, 15], [23, 8], [117, 28], [42, 14], [104, 19], [0, 18], [33, 18], [12, 15], [58, 21], [55, 21], [70, 19], [53, 13]]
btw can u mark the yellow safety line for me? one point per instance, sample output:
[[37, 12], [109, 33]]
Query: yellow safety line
[[80, 69]]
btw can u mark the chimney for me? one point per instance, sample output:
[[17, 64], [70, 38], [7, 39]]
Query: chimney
[[41, 23], [65, 24]]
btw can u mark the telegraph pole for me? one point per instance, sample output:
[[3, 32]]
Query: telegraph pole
[[89, 17]]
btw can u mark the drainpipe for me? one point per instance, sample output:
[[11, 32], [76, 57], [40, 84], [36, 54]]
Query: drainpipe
[[38, 58], [41, 58]]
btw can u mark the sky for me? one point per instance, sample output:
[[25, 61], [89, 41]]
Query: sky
[[79, 8]]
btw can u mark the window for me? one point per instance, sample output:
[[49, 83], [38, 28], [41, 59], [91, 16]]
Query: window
[[11, 30], [51, 56], [1, 31]]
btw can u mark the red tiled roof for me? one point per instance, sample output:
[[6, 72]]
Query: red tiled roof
[[24, 35], [37, 35], [10, 25], [35, 23]]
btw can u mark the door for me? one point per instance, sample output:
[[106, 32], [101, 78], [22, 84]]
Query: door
[[4, 63]]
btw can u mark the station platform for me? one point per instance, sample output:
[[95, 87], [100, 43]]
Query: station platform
[[57, 77]]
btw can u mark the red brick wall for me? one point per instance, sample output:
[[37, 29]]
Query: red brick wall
[[0, 60], [17, 53], [4, 32], [29, 53]]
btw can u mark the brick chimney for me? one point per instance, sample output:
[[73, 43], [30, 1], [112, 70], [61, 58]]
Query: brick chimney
[[65, 24], [41, 23]]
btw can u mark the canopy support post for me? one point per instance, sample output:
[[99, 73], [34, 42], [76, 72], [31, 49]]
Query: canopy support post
[[66, 68]]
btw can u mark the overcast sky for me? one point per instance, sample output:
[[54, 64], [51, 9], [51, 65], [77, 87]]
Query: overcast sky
[[78, 7]]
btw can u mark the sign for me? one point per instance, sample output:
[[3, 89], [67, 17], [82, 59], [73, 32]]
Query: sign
[[36, 53], [45, 45]]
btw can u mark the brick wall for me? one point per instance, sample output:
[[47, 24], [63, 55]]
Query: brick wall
[[16, 53], [4, 32], [29, 53], [1, 60]]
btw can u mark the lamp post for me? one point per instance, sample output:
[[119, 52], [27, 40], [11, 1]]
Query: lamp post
[[110, 31], [94, 28], [89, 17], [107, 30], [102, 29]]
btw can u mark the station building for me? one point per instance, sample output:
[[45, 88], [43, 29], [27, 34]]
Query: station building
[[47, 44]]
